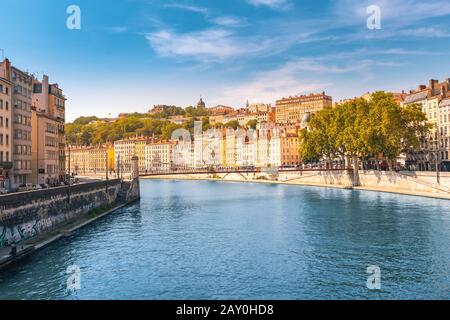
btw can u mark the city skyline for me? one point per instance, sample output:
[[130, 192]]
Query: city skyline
[[131, 55]]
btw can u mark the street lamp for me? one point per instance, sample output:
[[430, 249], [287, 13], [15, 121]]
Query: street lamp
[[438, 150]]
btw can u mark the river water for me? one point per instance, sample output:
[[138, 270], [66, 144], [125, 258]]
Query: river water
[[216, 240]]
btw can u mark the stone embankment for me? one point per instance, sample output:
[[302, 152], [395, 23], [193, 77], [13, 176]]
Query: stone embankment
[[410, 183]]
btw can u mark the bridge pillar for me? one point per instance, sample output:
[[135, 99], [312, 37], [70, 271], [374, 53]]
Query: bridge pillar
[[135, 167]]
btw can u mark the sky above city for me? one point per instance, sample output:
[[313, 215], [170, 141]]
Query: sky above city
[[132, 54]]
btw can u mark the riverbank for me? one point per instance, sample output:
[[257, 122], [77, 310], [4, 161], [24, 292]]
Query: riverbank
[[28, 247], [419, 188]]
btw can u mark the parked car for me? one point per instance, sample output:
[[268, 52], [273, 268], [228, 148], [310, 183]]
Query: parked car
[[3, 191], [37, 187], [26, 187], [44, 186]]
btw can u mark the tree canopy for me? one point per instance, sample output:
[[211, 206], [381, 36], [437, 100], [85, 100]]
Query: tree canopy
[[95, 131], [359, 129]]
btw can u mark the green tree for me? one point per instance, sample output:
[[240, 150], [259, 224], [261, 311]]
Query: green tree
[[232, 124], [251, 124], [359, 129]]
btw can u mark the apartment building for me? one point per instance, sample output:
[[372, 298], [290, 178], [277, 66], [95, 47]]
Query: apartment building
[[21, 121], [231, 137], [183, 154], [48, 138], [292, 110], [124, 150], [44, 148], [158, 156], [433, 100], [93, 160], [6, 164]]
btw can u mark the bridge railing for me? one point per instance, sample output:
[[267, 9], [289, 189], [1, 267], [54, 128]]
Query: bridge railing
[[181, 171]]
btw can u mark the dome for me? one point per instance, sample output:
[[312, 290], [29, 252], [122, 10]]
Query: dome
[[201, 104]]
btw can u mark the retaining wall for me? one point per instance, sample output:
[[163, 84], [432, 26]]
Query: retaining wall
[[28, 214]]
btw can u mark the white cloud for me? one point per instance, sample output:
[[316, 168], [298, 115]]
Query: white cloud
[[274, 4], [398, 12], [228, 21], [188, 8], [268, 86], [207, 45], [292, 78]]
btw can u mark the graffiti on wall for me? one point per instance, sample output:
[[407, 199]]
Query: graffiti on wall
[[17, 234]]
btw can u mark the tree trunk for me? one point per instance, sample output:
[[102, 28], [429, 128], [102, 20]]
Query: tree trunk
[[390, 166], [347, 162], [356, 181]]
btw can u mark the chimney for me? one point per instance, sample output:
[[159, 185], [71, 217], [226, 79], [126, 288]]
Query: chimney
[[6, 69], [421, 87]]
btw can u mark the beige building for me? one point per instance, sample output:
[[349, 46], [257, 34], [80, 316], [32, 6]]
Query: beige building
[[45, 148], [49, 99], [93, 160], [6, 164], [258, 107], [433, 100], [21, 121], [124, 150], [158, 156], [291, 110]]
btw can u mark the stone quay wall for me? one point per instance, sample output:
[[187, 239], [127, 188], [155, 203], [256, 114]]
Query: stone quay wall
[[421, 183], [28, 214]]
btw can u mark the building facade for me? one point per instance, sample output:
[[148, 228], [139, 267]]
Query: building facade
[[93, 160], [44, 148], [158, 156], [21, 112], [6, 151], [291, 110], [124, 150], [49, 112], [434, 148]]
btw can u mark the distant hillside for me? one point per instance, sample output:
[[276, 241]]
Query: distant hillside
[[93, 130]]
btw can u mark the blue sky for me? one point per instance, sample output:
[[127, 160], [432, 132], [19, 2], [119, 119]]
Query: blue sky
[[132, 54]]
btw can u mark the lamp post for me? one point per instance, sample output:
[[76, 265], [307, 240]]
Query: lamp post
[[438, 151]]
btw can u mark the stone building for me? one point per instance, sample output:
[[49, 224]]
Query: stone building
[[21, 121], [291, 110], [45, 148], [158, 156], [6, 164], [49, 112], [434, 102], [92, 160]]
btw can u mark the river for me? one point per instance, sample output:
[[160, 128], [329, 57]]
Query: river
[[218, 240]]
